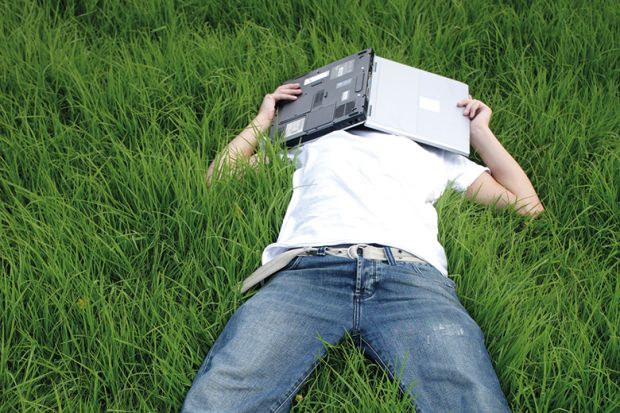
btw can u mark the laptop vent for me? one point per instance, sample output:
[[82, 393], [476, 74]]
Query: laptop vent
[[344, 109], [349, 108], [339, 111], [318, 98]]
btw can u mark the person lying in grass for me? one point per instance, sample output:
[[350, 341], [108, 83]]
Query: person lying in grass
[[358, 254]]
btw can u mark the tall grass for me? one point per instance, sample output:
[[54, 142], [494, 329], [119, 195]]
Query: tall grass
[[118, 264]]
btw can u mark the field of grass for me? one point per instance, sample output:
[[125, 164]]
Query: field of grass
[[117, 263]]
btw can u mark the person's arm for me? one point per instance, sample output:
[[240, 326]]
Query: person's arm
[[507, 184], [244, 144]]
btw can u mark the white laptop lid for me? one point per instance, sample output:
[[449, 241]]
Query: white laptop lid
[[417, 104]]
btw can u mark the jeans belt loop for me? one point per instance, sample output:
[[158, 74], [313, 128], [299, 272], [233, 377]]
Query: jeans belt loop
[[389, 255]]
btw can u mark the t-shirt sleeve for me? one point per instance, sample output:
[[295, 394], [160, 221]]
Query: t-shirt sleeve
[[458, 171]]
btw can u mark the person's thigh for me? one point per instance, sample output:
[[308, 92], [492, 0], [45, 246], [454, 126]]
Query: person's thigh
[[417, 328], [273, 341]]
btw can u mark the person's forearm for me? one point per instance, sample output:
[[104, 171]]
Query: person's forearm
[[243, 145], [505, 169]]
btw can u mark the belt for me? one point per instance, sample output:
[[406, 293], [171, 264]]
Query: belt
[[369, 252]]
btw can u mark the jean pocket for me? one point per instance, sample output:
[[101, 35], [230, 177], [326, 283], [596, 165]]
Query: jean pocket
[[428, 272], [290, 266]]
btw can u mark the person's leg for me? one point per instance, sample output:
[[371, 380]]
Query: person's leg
[[416, 327], [271, 343]]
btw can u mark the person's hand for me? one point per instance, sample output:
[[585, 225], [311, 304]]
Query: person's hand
[[478, 112], [267, 109]]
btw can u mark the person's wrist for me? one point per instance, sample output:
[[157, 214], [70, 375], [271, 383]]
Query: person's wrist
[[478, 130], [479, 137], [484, 141], [262, 121]]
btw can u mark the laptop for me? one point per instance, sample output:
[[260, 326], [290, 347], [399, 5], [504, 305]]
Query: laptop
[[367, 90]]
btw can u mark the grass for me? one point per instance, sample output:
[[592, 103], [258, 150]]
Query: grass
[[117, 263]]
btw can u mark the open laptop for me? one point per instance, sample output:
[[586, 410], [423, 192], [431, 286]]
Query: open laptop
[[364, 89]]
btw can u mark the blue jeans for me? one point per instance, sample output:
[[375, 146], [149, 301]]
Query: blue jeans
[[404, 315]]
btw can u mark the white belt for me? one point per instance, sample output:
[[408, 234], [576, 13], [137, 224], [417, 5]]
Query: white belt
[[280, 261]]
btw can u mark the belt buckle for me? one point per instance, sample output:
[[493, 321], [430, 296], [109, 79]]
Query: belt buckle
[[362, 246]]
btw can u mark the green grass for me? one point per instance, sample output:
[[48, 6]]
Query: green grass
[[118, 264]]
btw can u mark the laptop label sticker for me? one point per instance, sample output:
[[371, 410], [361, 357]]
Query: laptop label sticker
[[315, 78], [344, 83], [294, 127], [345, 96], [343, 69], [429, 104]]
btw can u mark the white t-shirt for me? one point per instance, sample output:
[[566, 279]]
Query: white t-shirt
[[364, 186]]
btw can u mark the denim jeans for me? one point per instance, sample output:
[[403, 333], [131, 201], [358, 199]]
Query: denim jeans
[[406, 316]]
